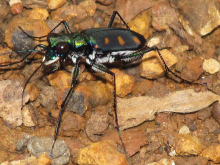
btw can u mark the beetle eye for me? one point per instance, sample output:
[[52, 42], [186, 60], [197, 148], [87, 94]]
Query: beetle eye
[[62, 47]]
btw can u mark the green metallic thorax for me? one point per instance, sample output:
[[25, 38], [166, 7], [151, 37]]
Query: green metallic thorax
[[75, 40]]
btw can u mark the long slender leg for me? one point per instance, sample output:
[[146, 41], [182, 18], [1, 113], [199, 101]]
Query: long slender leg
[[25, 57], [102, 68], [75, 74], [62, 22], [27, 83], [170, 71], [65, 25], [113, 18], [139, 54]]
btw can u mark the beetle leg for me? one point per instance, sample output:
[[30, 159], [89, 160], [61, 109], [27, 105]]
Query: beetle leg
[[62, 22], [113, 18], [140, 54], [44, 47], [75, 75], [102, 68]]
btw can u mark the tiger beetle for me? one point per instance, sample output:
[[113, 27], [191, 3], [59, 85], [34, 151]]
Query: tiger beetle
[[95, 46]]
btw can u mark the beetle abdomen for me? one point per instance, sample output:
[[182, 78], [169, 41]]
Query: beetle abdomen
[[114, 39]]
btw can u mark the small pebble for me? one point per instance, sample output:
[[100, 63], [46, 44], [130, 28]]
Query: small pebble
[[21, 143], [39, 13], [191, 125], [187, 144], [71, 124], [60, 79], [97, 123], [41, 145], [141, 24], [184, 130], [33, 91], [48, 97], [211, 124], [10, 107], [154, 41], [193, 69], [17, 8], [20, 39], [205, 113], [86, 24], [44, 159], [133, 140], [212, 153], [69, 12], [101, 153], [99, 20], [54, 4], [28, 116], [89, 6], [211, 66], [123, 83], [141, 88]]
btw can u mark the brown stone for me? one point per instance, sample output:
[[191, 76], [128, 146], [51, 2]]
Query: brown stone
[[190, 17], [39, 13], [60, 79], [187, 144], [205, 113], [86, 95], [10, 98], [211, 124], [152, 67], [48, 97], [89, 6], [211, 66], [29, 116], [103, 153], [74, 145], [97, 123], [141, 24], [35, 27], [163, 16], [193, 70], [141, 88], [17, 8], [133, 139], [33, 91], [69, 12], [71, 124], [212, 153], [44, 159], [123, 82], [54, 4]]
